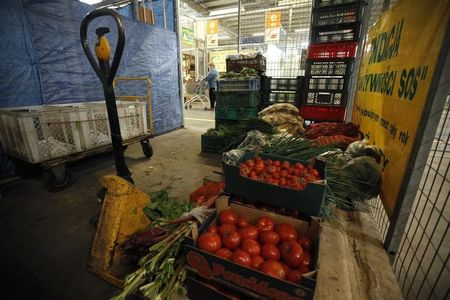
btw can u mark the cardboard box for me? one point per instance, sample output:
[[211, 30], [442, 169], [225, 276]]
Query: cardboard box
[[146, 15], [250, 281], [198, 288], [308, 202]]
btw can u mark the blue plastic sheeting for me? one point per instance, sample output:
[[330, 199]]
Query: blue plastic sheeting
[[19, 84], [65, 75], [126, 11], [159, 14]]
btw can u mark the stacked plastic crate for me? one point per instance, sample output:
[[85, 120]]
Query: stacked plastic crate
[[239, 98], [335, 33], [281, 90]]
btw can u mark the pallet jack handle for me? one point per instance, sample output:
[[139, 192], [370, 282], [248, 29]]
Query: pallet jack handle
[[106, 73]]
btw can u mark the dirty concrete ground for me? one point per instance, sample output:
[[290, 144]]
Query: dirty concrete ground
[[46, 237]]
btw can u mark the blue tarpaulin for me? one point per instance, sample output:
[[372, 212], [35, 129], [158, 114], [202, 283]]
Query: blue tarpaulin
[[49, 43]]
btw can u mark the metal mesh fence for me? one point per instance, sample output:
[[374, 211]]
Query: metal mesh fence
[[286, 54], [422, 263]]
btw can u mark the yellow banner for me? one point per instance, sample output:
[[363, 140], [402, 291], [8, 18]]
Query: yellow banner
[[273, 19], [212, 26], [394, 79]]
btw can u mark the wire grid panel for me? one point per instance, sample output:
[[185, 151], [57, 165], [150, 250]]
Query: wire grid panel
[[422, 264], [37, 134], [283, 57]]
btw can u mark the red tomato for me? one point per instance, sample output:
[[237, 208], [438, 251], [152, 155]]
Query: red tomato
[[258, 168], [265, 224], [286, 232], [269, 162], [304, 269], [296, 172], [292, 253], [294, 179], [213, 228], [294, 276], [273, 268], [270, 169], [209, 242], [285, 165], [228, 217], [284, 173], [306, 259], [242, 222], [290, 170], [253, 177], [283, 181], [269, 251], [251, 247], [241, 257], [276, 175], [231, 240], [257, 158], [276, 181], [305, 242], [224, 253], [296, 186], [299, 166], [252, 174], [250, 163], [285, 267], [315, 173], [276, 163], [226, 228], [249, 232], [256, 261], [244, 170], [269, 237]]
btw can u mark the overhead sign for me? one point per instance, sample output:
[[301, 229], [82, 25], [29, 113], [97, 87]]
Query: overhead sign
[[212, 36], [394, 80], [273, 26], [187, 36]]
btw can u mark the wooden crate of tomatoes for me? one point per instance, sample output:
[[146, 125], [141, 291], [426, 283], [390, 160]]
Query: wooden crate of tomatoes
[[282, 182], [257, 252]]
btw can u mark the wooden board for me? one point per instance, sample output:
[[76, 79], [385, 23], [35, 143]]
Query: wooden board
[[353, 263]]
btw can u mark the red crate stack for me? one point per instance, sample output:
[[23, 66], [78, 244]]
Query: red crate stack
[[330, 59]]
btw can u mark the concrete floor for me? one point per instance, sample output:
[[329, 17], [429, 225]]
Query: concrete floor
[[46, 237]]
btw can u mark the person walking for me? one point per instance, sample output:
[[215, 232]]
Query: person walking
[[212, 78]]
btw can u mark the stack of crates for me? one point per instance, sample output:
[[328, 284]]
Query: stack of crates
[[335, 33], [281, 90], [237, 99]]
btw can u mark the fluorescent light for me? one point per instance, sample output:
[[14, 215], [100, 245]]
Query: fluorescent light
[[301, 30], [223, 37], [224, 11], [91, 1], [259, 34]]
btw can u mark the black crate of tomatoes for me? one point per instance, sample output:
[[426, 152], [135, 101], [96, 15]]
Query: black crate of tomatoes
[[257, 252], [282, 182]]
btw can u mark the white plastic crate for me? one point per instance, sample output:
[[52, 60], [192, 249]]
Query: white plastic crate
[[95, 124], [40, 133]]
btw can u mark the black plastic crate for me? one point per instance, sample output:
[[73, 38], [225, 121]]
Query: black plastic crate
[[214, 144], [236, 65], [337, 15], [325, 98], [283, 97], [283, 84], [336, 33], [335, 67], [328, 3]]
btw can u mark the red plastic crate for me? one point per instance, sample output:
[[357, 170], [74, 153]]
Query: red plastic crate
[[322, 113], [332, 50]]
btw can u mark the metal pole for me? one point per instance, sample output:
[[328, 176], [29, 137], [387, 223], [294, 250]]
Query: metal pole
[[136, 10], [239, 27], [180, 71], [164, 13]]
